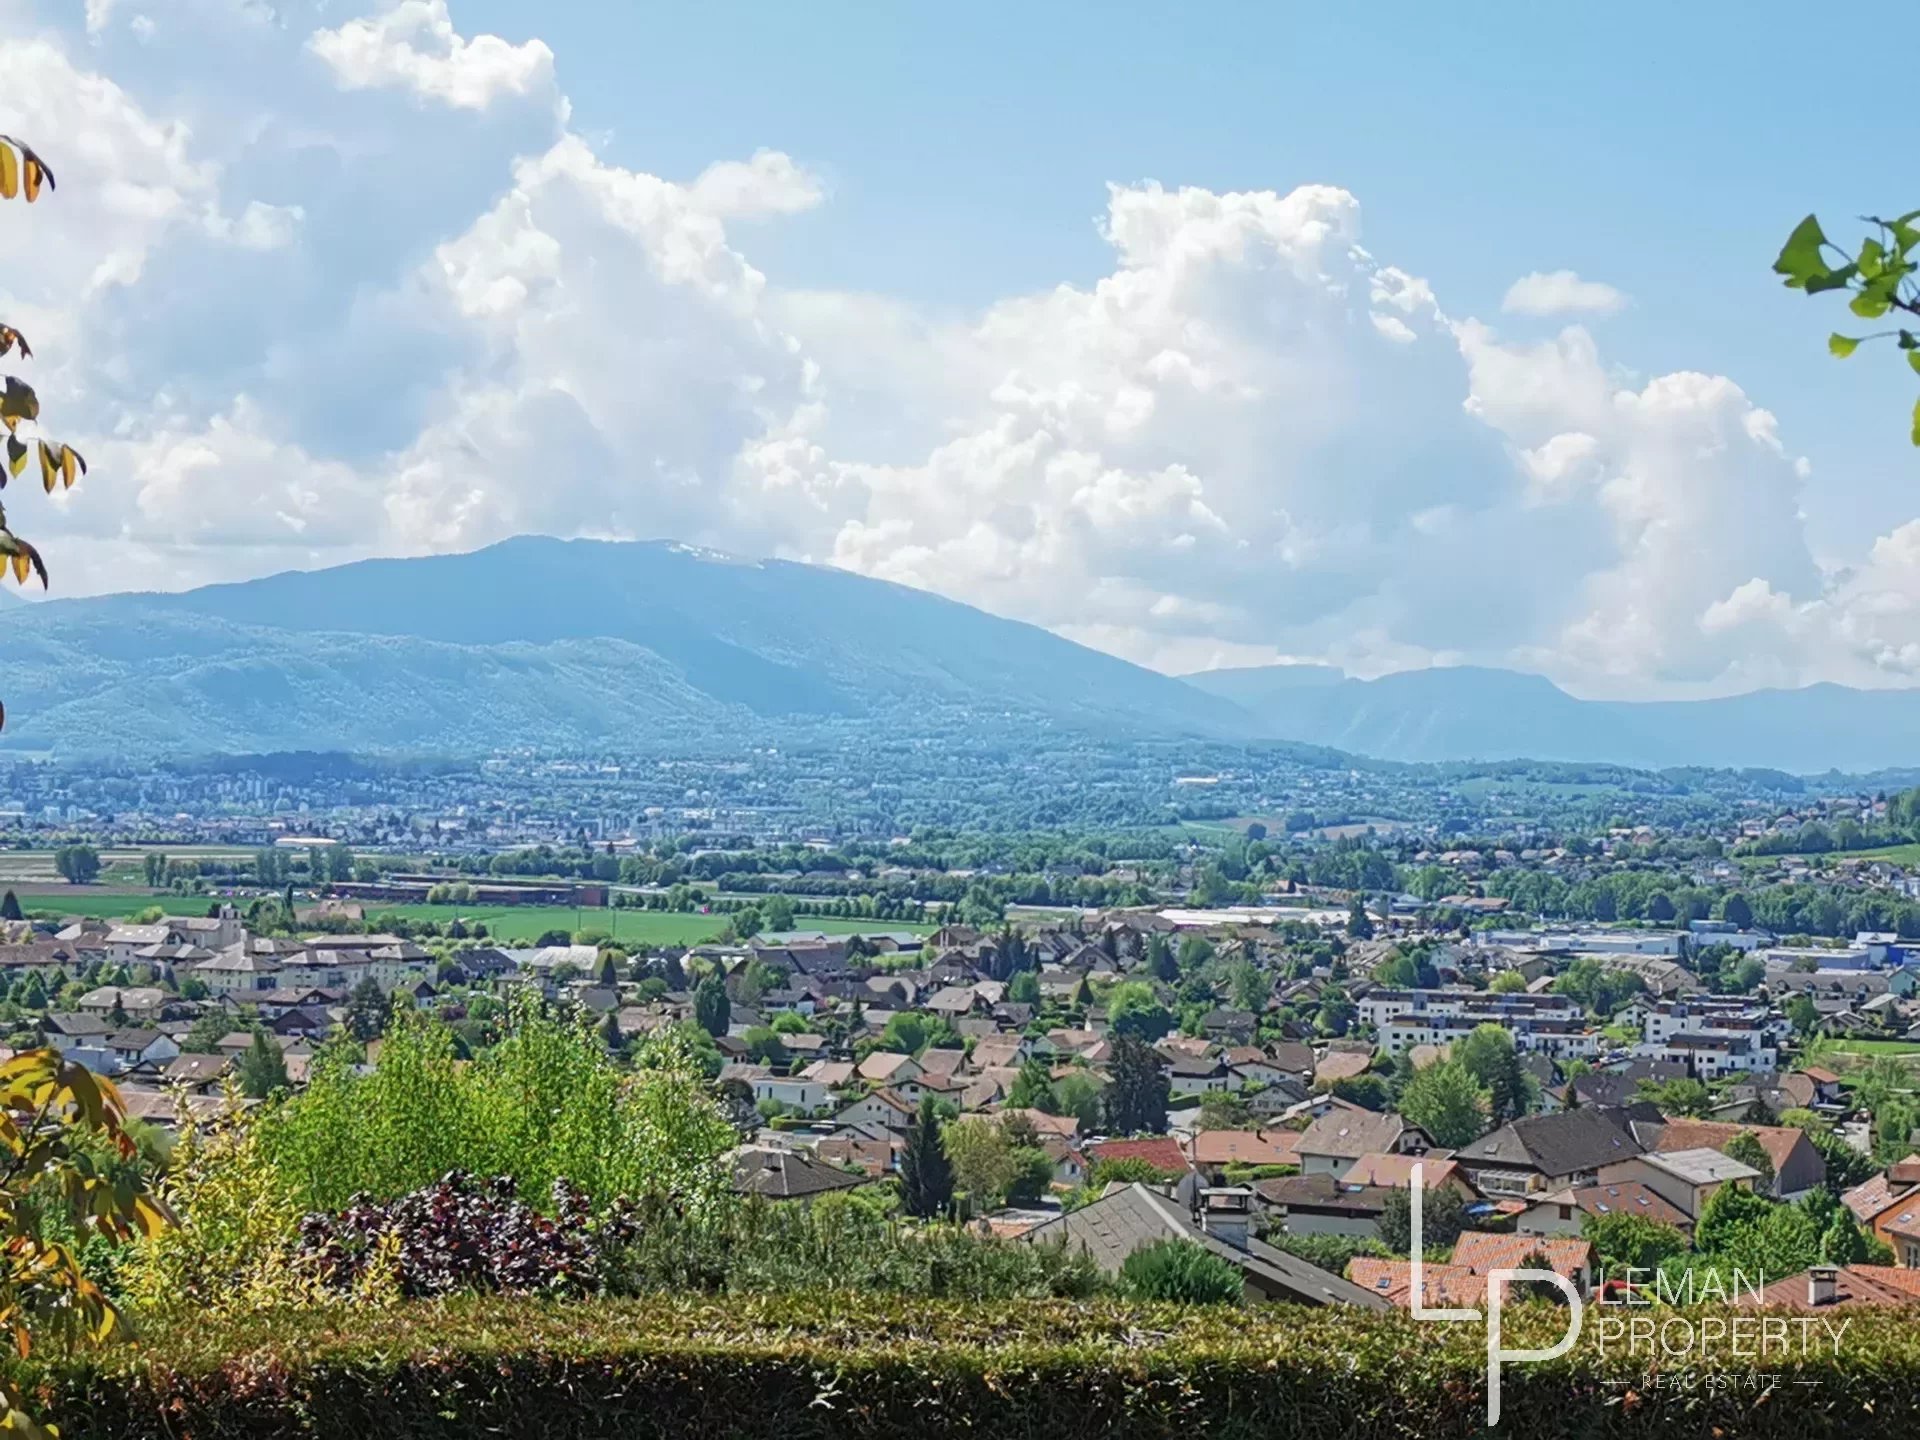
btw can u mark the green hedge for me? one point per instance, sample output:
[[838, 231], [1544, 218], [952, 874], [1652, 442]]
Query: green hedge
[[811, 1367]]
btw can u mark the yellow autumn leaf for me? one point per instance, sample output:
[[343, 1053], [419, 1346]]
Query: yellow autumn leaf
[[9, 172]]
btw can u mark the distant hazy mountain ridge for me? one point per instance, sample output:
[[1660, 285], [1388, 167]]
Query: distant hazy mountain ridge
[[652, 647], [550, 644], [1466, 713]]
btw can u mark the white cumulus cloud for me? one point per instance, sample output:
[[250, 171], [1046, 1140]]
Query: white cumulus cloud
[[302, 312], [1560, 292], [412, 45]]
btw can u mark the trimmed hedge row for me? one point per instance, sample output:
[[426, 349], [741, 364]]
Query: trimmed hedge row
[[805, 1367]]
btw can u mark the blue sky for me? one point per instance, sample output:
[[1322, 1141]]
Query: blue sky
[[1187, 334], [1665, 149]]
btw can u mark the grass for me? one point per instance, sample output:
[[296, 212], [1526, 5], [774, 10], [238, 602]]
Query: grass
[[1908, 854], [1877, 1047], [523, 924], [105, 904], [509, 924]]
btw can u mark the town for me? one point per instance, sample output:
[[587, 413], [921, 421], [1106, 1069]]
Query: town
[[1110, 1043]]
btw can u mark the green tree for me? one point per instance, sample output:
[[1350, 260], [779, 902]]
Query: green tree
[[1879, 277], [1134, 1010], [1252, 986], [1032, 1175], [1024, 988], [263, 1068], [980, 1157], [1369, 1090], [1682, 1097], [1032, 1087], [1803, 1014], [10, 907], [1359, 923], [778, 913], [367, 1011], [1846, 1166], [1622, 1242], [1078, 1095], [1160, 962], [926, 1178], [1137, 1088], [1180, 1272], [1736, 911], [1443, 1216], [1747, 1149], [1507, 982], [1488, 1055], [1729, 1213], [1448, 1103], [711, 1008], [78, 864], [1223, 1111]]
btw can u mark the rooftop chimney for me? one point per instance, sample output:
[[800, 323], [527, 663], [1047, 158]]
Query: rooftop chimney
[[1823, 1285], [1227, 1215]]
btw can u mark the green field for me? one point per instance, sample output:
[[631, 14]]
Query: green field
[[509, 924], [1877, 1047], [522, 924], [107, 904], [1908, 854]]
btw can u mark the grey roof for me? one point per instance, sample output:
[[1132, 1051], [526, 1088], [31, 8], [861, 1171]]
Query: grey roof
[[1702, 1166], [1349, 1134], [783, 1175], [1563, 1144], [1324, 1192], [1129, 1217]]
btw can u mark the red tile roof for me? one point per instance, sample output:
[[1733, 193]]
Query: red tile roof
[[1480, 1252], [1162, 1152], [1245, 1147]]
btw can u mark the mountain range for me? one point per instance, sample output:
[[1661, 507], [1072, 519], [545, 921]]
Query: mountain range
[[1467, 713], [650, 647], [554, 645]]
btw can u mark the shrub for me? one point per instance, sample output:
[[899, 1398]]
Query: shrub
[[845, 1244], [1179, 1272], [831, 1367], [547, 1103], [458, 1235], [1329, 1252]]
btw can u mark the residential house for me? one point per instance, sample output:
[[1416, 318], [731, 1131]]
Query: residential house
[[788, 1175], [1827, 1287], [1889, 1206], [1685, 1179], [64, 1030], [1134, 1216], [132, 1049], [1162, 1152], [886, 1067], [1333, 1143], [1323, 1204], [1566, 1212], [1540, 1154], [1211, 1151], [1438, 1171], [882, 1107], [1797, 1166]]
